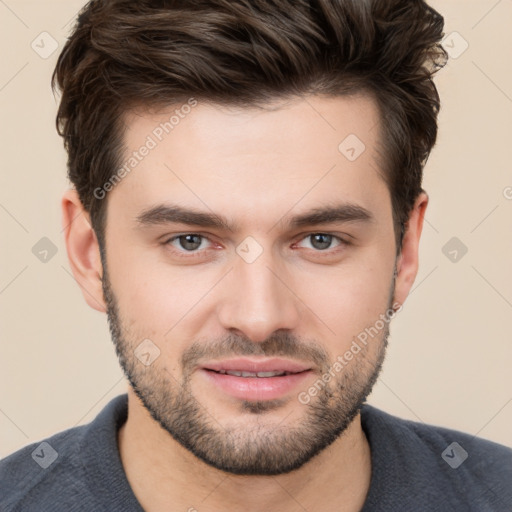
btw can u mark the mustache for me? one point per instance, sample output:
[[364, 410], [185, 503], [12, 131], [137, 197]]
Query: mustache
[[280, 344]]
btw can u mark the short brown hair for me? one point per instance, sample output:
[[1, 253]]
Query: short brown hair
[[125, 53]]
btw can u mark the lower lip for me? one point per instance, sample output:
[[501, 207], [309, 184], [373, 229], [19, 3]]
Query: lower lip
[[256, 388]]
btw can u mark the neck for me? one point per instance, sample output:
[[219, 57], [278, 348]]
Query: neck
[[162, 472]]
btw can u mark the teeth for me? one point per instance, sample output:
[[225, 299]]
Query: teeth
[[269, 374], [253, 374]]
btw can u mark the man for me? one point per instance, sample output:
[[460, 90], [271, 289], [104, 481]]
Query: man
[[247, 209]]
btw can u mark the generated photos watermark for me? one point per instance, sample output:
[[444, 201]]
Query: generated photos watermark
[[152, 140], [343, 360]]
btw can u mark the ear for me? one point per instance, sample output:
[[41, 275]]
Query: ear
[[83, 250], [407, 261]]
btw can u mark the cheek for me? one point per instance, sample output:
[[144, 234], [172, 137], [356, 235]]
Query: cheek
[[352, 298], [155, 300], [155, 304]]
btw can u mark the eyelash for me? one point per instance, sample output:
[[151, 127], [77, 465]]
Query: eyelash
[[198, 253]]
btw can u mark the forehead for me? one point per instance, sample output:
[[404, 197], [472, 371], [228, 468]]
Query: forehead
[[313, 123], [309, 150]]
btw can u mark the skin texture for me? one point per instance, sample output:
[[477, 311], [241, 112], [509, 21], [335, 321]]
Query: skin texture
[[186, 442]]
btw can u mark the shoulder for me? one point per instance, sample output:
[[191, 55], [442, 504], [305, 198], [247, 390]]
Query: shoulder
[[36, 472], [71, 470], [448, 467], [434, 438]]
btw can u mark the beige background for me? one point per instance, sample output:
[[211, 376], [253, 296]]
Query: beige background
[[449, 361]]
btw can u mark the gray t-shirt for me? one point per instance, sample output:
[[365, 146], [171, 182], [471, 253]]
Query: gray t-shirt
[[415, 467]]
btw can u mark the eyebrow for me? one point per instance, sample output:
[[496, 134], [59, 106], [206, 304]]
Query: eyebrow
[[169, 214]]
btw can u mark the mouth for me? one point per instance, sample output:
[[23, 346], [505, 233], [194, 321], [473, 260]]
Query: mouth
[[260, 375], [254, 366], [251, 379]]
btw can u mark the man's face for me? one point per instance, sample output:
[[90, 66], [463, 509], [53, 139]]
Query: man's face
[[293, 296]]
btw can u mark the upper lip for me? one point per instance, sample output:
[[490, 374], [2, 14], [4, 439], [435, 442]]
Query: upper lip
[[255, 366]]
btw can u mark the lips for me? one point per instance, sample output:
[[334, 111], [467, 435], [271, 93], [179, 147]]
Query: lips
[[256, 379]]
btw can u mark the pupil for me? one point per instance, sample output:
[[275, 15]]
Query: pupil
[[324, 241]]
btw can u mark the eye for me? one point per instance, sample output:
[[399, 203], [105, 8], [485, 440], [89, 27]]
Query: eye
[[189, 242], [323, 241]]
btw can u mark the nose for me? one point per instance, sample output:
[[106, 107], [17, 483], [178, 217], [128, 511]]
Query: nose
[[258, 299]]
